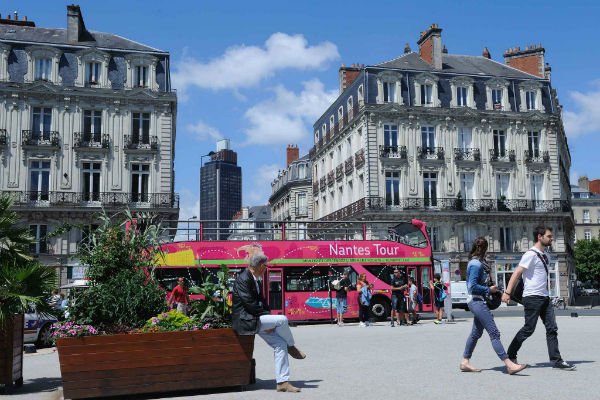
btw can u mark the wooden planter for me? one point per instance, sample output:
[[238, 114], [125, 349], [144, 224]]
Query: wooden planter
[[11, 352], [112, 365]]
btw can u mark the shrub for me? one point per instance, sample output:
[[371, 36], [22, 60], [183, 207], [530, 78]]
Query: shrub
[[71, 329], [215, 307], [169, 322]]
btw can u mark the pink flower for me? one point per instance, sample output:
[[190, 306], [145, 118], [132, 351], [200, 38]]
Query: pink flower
[[206, 326]]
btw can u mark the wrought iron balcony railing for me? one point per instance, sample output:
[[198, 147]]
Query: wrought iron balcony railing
[[108, 199], [398, 152], [38, 138], [3, 137], [339, 172], [330, 178], [315, 187], [323, 184], [536, 156], [359, 158], [431, 153], [349, 165], [502, 156], [467, 154], [482, 205], [141, 143], [91, 140], [366, 203]]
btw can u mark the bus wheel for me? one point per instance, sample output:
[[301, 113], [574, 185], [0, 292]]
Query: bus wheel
[[380, 309]]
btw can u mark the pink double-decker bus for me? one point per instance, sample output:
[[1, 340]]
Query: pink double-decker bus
[[297, 282]]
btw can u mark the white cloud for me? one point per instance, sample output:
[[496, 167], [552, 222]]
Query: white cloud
[[262, 178], [203, 131], [586, 118], [283, 119], [246, 66]]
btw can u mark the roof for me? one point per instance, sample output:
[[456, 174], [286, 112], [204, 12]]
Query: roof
[[457, 64], [259, 213], [58, 37]]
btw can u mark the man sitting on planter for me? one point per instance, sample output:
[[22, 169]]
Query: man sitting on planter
[[251, 315]]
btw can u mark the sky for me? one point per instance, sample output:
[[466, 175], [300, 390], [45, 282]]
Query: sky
[[260, 73]]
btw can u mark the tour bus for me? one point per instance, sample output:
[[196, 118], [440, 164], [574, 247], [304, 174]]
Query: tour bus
[[300, 271]]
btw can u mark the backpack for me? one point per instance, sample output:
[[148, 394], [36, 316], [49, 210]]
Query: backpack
[[419, 298], [443, 295], [517, 292]]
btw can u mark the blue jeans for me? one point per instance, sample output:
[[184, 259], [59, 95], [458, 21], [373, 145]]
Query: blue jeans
[[279, 340], [341, 305], [483, 319]]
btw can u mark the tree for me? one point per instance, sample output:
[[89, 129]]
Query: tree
[[587, 260]]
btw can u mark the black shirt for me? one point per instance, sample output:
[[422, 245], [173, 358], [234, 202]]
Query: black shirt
[[397, 282], [438, 287], [342, 294]]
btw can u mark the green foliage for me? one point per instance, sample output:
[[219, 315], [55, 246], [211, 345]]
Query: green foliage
[[14, 238], [587, 260], [215, 307], [168, 322]]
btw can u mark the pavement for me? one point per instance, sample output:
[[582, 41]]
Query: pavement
[[379, 362]]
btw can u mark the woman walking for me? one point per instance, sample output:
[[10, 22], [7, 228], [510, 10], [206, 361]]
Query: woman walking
[[479, 286], [363, 287]]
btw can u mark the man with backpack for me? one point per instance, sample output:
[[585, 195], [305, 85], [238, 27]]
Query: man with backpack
[[397, 287], [533, 268], [439, 294], [341, 297]]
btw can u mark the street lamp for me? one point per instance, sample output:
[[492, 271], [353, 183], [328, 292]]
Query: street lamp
[[188, 226]]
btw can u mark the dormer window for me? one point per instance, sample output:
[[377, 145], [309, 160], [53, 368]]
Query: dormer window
[[140, 77], [461, 96], [462, 92], [426, 95], [388, 87], [530, 99], [497, 95], [42, 64], [141, 71], [531, 96], [43, 69], [93, 71], [302, 171], [497, 99], [93, 68], [389, 92], [426, 90]]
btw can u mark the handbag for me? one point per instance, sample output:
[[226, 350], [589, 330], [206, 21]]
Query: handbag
[[517, 293]]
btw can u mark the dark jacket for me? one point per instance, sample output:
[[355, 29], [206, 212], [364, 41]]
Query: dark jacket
[[246, 309]]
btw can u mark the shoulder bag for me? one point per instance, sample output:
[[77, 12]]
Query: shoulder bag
[[517, 292]]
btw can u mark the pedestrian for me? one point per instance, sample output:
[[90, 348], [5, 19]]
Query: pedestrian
[[533, 268], [412, 300], [251, 315], [179, 297], [54, 299], [341, 298], [363, 287], [438, 292], [397, 287], [479, 286]]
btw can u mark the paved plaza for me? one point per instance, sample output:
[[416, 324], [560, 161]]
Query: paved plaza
[[416, 362]]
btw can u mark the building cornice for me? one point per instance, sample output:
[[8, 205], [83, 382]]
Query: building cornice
[[288, 186]]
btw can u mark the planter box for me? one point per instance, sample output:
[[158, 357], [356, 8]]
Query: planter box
[[11, 352], [112, 365]]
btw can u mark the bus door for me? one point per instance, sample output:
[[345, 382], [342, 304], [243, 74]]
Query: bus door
[[275, 290], [425, 277]]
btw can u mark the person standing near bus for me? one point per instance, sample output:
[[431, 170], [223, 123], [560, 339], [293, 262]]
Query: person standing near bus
[[251, 315], [180, 297], [363, 287], [479, 286], [412, 300], [438, 288], [341, 298], [397, 287]]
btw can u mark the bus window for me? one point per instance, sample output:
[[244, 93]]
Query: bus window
[[300, 279], [337, 271], [408, 234], [382, 272], [167, 277]]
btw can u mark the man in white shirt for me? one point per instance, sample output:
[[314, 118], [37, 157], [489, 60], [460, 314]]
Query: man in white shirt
[[536, 299]]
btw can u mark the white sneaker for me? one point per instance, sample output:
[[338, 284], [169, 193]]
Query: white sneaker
[[341, 324], [362, 324]]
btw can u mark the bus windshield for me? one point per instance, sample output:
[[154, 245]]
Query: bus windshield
[[408, 234]]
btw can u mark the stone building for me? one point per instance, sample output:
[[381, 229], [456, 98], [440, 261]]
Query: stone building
[[586, 208], [469, 145], [87, 122], [251, 223], [291, 199]]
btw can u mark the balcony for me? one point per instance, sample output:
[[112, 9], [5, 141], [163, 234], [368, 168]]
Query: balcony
[[145, 144], [536, 157], [315, 187], [35, 139], [3, 138], [359, 158], [431, 153], [323, 184], [330, 178], [91, 141], [94, 199], [366, 203], [480, 205], [393, 152], [301, 211], [349, 165], [507, 156], [467, 154], [339, 172]]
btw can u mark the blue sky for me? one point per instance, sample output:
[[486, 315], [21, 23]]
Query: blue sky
[[260, 73]]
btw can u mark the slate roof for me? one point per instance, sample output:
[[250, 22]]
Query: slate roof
[[453, 63], [258, 213], [52, 36]]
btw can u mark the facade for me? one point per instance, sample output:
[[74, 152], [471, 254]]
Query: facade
[[220, 190], [291, 199], [586, 209], [251, 223], [471, 146], [87, 121]]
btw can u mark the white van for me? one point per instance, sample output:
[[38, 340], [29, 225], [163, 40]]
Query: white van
[[458, 294]]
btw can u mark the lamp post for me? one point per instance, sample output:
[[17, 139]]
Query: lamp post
[[188, 226]]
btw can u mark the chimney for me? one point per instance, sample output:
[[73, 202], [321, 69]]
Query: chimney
[[430, 46], [530, 60], [75, 27], [16, 21], [486, 53], [595, 186], [407, 49], [348, 75], [292, 154], [445, 50], [583, 182]]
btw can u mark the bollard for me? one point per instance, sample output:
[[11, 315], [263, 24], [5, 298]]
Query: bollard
[[574, 315]]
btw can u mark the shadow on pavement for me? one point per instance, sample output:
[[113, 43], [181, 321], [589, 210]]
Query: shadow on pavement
[[270, 384], [36, 385]]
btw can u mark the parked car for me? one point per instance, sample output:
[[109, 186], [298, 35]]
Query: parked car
[[458, 294], [589, 292], [38, 328]]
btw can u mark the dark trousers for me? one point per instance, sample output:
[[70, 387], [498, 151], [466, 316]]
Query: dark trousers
[[363, 312], [537, 306]]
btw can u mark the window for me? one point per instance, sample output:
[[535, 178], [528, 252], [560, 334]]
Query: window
[[389, 92], [502, 182], [39, 233], [91, 181], [140, 76], [42, 122], [361, 97], [92, 123], [392, 188], [537, 194], [469, 236], [43, 69], [497, 99], [338, 154], [426, 95], [464, 138], [467, 185], [141, 128], [39, 183], [428, 137], [506, 239], [301, 171], [348, 147], [140, 177], [499, 143], [530, 99], [461, 96], [390, 136], [86, 235], [533, 143], [584, 195], [434, 237], [92, 73], [299, 279], [302, 208], [587, 235], [586, 216], [430, 188]]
